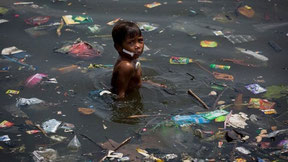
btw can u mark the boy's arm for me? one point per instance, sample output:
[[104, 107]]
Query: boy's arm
[[124, 75]]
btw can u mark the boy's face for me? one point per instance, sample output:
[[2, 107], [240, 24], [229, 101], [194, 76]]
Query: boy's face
[[135, 45]]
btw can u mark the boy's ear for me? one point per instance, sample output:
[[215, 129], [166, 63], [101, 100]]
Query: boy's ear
[[117, 47]]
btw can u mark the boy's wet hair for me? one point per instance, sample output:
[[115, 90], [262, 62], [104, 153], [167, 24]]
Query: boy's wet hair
[[123, 30]]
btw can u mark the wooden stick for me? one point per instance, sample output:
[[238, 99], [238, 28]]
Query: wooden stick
[[199, 99], [143, 116], [42, 130], [121, 144]]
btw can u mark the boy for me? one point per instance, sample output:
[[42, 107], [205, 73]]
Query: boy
[[128, 42]]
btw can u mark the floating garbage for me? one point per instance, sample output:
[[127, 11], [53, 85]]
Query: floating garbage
[[67, 69], [148, 156], [152, 5], [81, 49], [113, 21], [261, 104], [51, 125], [223, 67], [252, 53], [94, 28], [37, 20], [34, 79], [184, 120], [11, 91], [207, 43], [58, 138], [180, 60], [86, 111], [76, 19], [246, 11], [47, 155], [6, 124], [214, 114], [237, 120], [3, 21], [4, 138], [255, 88], [26, 102], [11, 50], [243, 150], [74, 144], [145, 26]]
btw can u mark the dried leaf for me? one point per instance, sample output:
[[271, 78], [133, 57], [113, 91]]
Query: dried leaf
[[86, 111]]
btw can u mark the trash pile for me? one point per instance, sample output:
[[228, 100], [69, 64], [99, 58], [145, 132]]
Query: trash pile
[[213, 110]]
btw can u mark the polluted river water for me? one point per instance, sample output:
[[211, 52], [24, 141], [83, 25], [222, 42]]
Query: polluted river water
[[61, 108]]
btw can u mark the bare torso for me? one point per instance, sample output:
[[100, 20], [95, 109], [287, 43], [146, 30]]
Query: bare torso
[[135, 76]]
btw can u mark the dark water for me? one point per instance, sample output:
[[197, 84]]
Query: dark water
[[179, 33]]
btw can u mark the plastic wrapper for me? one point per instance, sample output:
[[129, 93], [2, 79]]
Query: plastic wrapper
[[45, 155], [51, 126], [74, 144], [81, 49], [28, 101]]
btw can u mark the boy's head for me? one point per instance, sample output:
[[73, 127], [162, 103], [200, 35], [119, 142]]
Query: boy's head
[[123, 30]]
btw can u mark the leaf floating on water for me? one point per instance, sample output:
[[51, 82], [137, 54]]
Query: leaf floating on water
[[276, 92], [86, 111]]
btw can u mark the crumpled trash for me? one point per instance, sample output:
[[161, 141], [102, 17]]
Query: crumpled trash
[[11, 50], [34, 79], [145, 26], [252, 53], [74, 144], [28, 101], [81, 49], [148, 156], [255, 88], [4, 138], [37, 20], [169, 156], [3, 21], [94, 28], [243, 150], [237, 120], [77, 19], [246, 11], [51, 125], [45, 155]]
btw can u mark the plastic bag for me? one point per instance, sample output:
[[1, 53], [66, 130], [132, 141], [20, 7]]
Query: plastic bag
[[74, 144], [51, 125], [28, 101], [45, 155]]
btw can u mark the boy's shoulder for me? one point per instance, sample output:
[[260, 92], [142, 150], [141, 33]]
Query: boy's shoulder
[[125, 65]]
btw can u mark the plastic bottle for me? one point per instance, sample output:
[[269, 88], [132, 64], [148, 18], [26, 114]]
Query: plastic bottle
[[180, 60], [223, 67]]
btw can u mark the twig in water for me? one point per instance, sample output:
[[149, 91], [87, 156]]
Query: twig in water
[[218, 97], [199, 99]]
